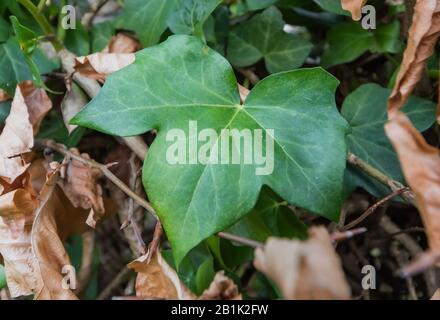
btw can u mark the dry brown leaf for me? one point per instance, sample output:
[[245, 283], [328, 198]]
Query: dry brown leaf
[[422, 38], [17, 205], [55, 220], [37, 102], [16, 138], [16, 216], [421, 166], [4, 96], [99, 65], [74, 100], [355, 8], [122, 43], [304, 269], [157, 279], [79, 183], [221, 288]]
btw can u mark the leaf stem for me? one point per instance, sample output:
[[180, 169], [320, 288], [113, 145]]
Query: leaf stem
[[42, 22]]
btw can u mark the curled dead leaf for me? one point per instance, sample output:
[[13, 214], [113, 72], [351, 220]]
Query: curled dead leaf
[[355, 8], [80, 184], [16, 138], [422, 38], [122, 43], [156, 279], [37, 102], [74, 100], [221, 288], [304, 270], [56, 219], [421, 166], [99, 65]]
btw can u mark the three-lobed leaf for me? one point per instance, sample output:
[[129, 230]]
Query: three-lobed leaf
[[183, 80], [191, 15], [263, 37]]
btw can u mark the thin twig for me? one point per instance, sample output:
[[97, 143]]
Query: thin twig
[[345, 235], [394, 185], [137, 232], [241, 240], [155, 242], [104, 169], [373, 208], [120, 278]]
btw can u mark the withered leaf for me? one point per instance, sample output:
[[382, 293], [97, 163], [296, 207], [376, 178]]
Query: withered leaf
[[421, 166], [16, 138], [304, 269], [221, 288], [99, 65], [121, 43], [55, 220], [355, 8], [156, 279], [79, 183], [422, 38], [74, 100], [16, 217], [37, 101]]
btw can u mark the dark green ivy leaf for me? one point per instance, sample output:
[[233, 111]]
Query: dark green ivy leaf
[[348, 41], [365, 111], [14, 67], [263, 37], [182, 80], [270, 217], [190, 16], [148, 18]]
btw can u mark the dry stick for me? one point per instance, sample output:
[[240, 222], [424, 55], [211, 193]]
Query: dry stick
[[137, 232], [373, 208], [120, 278], [394, 185]]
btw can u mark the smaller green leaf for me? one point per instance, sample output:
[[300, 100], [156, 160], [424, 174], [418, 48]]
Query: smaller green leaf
[[27, 39], [195, 269], [263, 37], [148, 18], [14, 67], [270, 217], [365, 110], [348, 41], [204, 276], [190, 17]]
